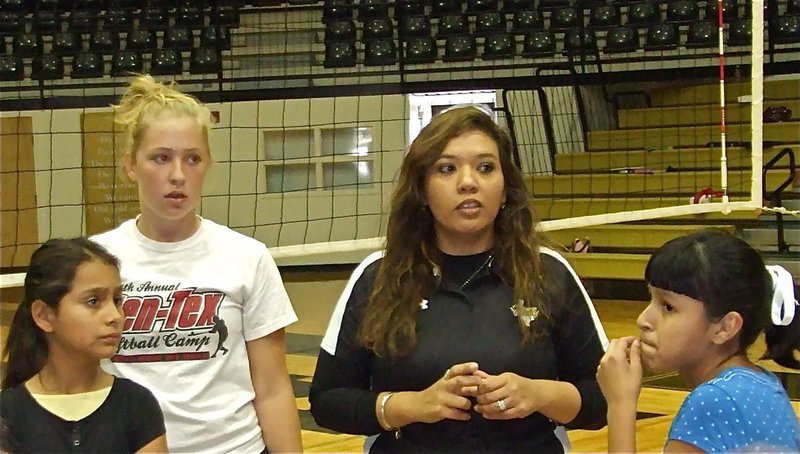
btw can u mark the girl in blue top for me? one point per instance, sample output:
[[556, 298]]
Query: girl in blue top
[[711, 296]]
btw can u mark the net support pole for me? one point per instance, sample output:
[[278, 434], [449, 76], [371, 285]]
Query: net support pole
[[757, 101], [722, 125]]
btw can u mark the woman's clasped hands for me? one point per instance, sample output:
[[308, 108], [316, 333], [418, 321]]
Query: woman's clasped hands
[[503, 396]]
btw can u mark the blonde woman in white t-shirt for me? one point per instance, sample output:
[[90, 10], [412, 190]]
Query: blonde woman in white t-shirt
[[205, 308]]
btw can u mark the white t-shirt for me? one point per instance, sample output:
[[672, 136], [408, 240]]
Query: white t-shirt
[[190, 306]]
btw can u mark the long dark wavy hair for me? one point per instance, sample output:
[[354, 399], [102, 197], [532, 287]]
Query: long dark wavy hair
[[727, 275], [49, 278], [406, 271]]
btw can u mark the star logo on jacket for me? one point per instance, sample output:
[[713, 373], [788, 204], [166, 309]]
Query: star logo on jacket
[[529, 314]]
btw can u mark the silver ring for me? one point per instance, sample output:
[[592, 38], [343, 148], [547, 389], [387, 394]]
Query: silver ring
[[447, 375], [501, 404]]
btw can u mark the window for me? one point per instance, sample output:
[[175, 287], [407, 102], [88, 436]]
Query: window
[[320, 158], [423, 106]]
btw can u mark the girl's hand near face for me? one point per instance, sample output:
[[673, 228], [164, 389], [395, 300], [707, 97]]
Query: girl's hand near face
[[620, 378], [620, 371]]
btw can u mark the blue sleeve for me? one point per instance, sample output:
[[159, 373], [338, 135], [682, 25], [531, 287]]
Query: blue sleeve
[[710, 420]]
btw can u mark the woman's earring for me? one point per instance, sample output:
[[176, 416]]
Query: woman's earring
[[503, 206]]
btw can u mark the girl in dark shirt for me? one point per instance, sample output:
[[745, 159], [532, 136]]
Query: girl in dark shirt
[[55, 397], [465, 335]]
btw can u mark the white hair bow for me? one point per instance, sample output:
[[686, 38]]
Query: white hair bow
[[782, 295]]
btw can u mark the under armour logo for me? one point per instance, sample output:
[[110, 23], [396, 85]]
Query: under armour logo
[[423, 304]]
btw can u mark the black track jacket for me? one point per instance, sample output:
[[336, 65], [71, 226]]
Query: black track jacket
[[454, 326]]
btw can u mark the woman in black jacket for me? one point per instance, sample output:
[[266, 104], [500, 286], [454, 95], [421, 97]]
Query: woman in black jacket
[[466, 334]]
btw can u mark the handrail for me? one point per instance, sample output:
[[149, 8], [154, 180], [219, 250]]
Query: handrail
[[776, 195]]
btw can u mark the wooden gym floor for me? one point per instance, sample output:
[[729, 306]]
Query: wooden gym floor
[[314, 295]]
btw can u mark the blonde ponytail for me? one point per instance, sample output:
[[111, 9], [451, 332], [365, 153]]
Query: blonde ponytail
[[147, 98]]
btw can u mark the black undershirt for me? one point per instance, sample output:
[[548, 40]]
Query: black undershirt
[[459, 268]]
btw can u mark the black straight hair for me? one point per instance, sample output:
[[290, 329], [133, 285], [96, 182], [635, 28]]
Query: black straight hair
[[49, 277], [727, 275]]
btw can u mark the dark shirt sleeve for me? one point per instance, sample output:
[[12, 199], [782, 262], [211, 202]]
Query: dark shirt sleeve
[[579, 348], [341, 397], [146, 420]]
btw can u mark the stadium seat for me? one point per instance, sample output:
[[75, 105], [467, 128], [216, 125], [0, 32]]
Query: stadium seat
[[126, 62], [406, 8], [452, 24], [785, 29], [549, 4], [46, 5], [480, 6], [224, 15], [440, 7], [11, 68], [340, 54], [340, 30], [204, 61], [372, 8], [682, 11], [124, 4], [141, 40], [27, 45], [499, 45], [11, 23], [730, 11], [377, 27], [179, 38], [46, 22], [539, 44], [166, 62], [216, 37], [460, 48], [510, 6], [378, 52], [337, 10], [104, 41], [415, 26], [93, 6], [577, 42], [526, 20], [661, 37], [621, 39], [589, 4], [87, 65], [490, 23], [421, 50], [190, 16], [81, 21], [565, 18], [154, 17], [66, 43], [15, 6], [643, 14], [741, 32], [118, 19], [604, 16], [702, 34], [47, 67]]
